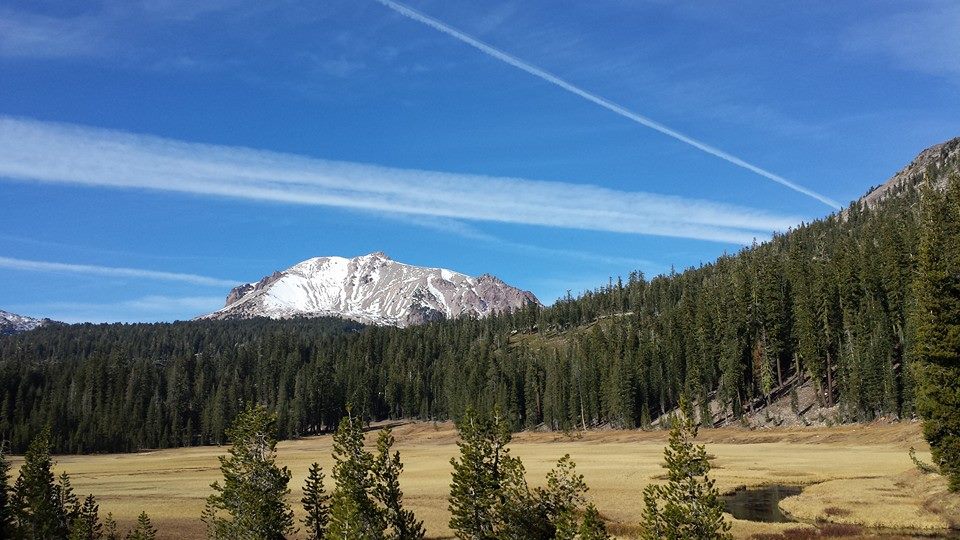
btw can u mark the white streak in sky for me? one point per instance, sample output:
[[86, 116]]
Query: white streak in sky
[[31, 150], [606, 104], [111, 271]]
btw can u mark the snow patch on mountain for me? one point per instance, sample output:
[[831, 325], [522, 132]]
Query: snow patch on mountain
[[372, 289], [11, 323]]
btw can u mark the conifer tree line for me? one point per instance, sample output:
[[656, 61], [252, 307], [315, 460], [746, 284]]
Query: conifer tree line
[[489, 496], [253, 503], [40, 506], [489, 499], [834, 302]]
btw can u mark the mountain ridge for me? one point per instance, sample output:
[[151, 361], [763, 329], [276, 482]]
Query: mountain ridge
[[940, 160], [11, 323], [372, 289]]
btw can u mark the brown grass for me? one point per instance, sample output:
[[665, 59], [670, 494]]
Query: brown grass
[[825, 530], [171, 484], [908, 500], [839, 530], [801, 533]]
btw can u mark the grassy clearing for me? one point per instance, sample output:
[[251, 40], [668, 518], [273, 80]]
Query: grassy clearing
[[887, 501], [862, 474]]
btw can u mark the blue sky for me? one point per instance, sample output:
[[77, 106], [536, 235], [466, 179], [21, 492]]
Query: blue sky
[[154, 153]]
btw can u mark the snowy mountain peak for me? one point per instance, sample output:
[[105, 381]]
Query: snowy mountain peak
[[372, 289], [11, 323]]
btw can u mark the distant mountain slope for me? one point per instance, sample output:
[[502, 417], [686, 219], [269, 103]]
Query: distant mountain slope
[[372, 289], [940, 160], [819, 312], [11, 323]]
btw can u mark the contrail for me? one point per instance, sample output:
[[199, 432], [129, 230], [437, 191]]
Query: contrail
[[35, 151], [112, 271], [606, 104]]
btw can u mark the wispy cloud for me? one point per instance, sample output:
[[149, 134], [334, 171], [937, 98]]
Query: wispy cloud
[[602, 102], [49, 152], [26, 35], [143, 309], [122, 32], [112, 271], [923, 38], [86, 250], [458, 228]]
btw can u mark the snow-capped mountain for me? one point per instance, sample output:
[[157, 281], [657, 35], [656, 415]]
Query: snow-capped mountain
[[11, 323], [372, 289]]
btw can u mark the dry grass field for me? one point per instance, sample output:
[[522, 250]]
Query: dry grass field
[[856, 474]]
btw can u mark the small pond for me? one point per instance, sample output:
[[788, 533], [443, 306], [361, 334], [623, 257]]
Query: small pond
[[763, 504], [759, 503]]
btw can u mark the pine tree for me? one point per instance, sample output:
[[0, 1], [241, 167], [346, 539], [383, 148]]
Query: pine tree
[[553, 511], [521, 513], [110, 529], [481, 476], [144, 530], [490, 497], [560, 502], [592, 526], [935, 321], [316, 504], [354, 514], [254, 488], [7, 514], [86, 525], [68, 502], [40, 510], [387, 469], [689, 505]]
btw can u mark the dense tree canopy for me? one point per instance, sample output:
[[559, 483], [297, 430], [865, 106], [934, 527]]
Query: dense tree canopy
[[935, 326], [828, 302]]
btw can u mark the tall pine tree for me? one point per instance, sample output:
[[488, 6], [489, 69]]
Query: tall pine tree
[[688, 505], [7, 517], [354, 514], [40, 511], [935, 321], [87, 526], [387, 468], [316, 504], [481, 476], [254, 488]]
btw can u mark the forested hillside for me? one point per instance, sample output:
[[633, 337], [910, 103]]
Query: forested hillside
[[829, 300]]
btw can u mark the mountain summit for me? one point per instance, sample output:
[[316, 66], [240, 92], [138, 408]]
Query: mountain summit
[[372, 289], [11, 323], [937, 162]]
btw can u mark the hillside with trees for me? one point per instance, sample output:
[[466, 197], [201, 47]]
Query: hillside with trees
[[830, 301]]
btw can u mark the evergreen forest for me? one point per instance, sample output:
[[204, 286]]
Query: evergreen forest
[[834, 301]]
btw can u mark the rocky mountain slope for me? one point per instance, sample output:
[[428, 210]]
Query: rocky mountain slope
[[372, 289], [11, 323], [940, 161]]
